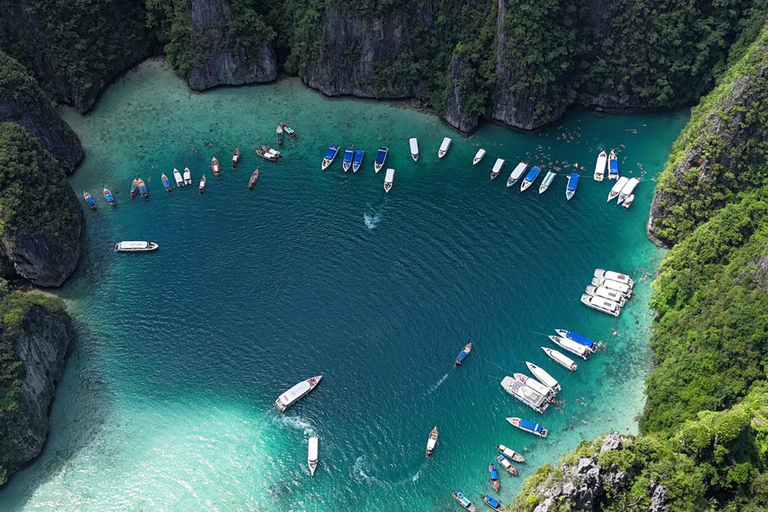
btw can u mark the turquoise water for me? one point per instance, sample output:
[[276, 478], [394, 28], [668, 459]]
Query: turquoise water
[[166, 402]]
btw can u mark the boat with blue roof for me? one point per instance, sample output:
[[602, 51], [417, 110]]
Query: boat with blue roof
[[330, 156], [109, 197], [529, 426], [143, 189], [349, 155], [506, 464], [493, 476], [463, 355], [573, 182], [464, 502], [358, 161], [613, 166], [166, 182], [381, 157], [492, 502], [89, 200], [577, 338], [530, 178]]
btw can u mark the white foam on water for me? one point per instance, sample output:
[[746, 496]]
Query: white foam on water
[[438, 383]]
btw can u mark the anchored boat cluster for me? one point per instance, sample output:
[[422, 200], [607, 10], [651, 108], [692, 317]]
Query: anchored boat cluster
[[608, 291]]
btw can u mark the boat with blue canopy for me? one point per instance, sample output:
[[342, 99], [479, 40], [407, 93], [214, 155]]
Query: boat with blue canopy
[[577, 338], [529, 426], [492, 503], [349, 154], [381, 157], [463, 354], [613, 166], [330, 156], [89, 200], [166, 182], [464, 502], [573, 182], [143, 189], [109, 197], [530, 178], [493, 476], [358, 161]]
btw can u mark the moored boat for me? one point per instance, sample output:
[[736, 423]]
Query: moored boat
[[493, 476], [89, 200], [546, 182], [134, 187], [235, 158], [510, 453], [614, 276], [506, 464], [414, 145], [330, 156], [516, 173], [358, 161], [187, 176], [463, 354], [279, 133], [464, 502], [530, 178], [177, 177], [571, 346], [561, 359], [381, 157], [535, 385], [478, 156], [612, 285], [613, 166], [135, 246], [525, 394], [497, 168], [269, 154], [296, 393], [628, 189], [573, 182], [166, 182], [577, 338], [600, 166], [606, 293], [388, 179], [290, 131], [431, 442], [215, 167], [109, 197], [143, 189], [444, 147], [312, 454], [600, 304], [529, 426], [492, 503], [616, 188], [253, 180], [628, 201], [202, 184], [349, 154], [544, 377]]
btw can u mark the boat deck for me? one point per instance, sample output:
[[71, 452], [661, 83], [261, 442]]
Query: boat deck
[[525, 394]]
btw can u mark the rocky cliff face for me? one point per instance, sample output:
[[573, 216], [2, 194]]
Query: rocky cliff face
[[456, 113]]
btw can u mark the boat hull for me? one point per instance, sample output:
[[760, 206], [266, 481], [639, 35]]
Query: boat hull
[[296, 393]]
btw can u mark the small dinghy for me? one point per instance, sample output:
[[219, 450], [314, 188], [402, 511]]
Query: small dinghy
[[358, 161], [571, 346], [89, 200], [143, 189], [600, 166], [628, 189], [166, 182], [544, 377], [606, 293], [530, 178], [533, 384], [464, 502], [431, 442], [312, 455], [516, 174], [177, 177], [478, 156], [134, 187], [628, 201], [561, 359], [414, 145], [253, 180], [330, 156], [493, 476], [463, 355], [577, 338], [444, 146], [600, 304], [617, 187], [279, 133], [135, 246], [388, 179], [187, 176], [573, 182], [614, 276], [349, 155], [109, 197], [510, 453], [492, 503], [497, 168], [613, 166], [215, 167], [546, 182], [381, 157], [202, 184], [528, 426], [235, 158], [507, 465], [290, 131]]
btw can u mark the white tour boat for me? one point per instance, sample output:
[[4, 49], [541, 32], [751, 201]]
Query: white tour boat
[[602, 159], [614, 276], [628, 189], [187, 176], [606, 293], [561, 359], [414, 148], [612, 285], [135, 246], [601, 304], [178, 178], [574, 347], [388, 179], [544, 377], [534, 384], [616, 188], [497, 168], [525, 394], [478, 156], [516, 173], [312, 455], [296, 393], [444, 147]]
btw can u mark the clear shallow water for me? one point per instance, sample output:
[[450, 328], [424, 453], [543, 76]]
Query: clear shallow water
[[166, 402]]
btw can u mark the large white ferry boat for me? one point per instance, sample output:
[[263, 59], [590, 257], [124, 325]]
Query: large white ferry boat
[[296, 393]]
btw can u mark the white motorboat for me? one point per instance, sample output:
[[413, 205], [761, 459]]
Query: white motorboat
[[628, 189], [525, 394], [614, 276], [431, 442], [478, 156], [312, 455], [178, 178], [135, 246], [516, 173], [296, 393], [602, 291], [628, 201], [616, 188], [602, 159], [546, 182], [612, 285], [388, 179], [414, 148], [510, 453], [497, 168], [444, 147], [601, 304], [571, 346], [533, 384], [203, 181], [561, 359], [187, 176], [544, 377]]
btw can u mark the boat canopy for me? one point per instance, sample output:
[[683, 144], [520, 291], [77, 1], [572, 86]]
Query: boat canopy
[[390, 176], [295, 392], [312, 450], [630, 186], [573, 181], [381, 155], [414, 145], [359, 156], [492, 501], [445, 144], [519, 170], [133, 245], [332, 150], [614, 166], [530, 425], [575, 336], [533, 173], [498, 165]]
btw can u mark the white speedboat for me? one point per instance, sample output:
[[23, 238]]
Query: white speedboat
[[510, 453], [602, 291], [628, 201], [571, 346], [388, 179], [560, 358], [497, 168], [546, 182], [187, 176], [178, 178], [628, 189], [414, 148], [601, 304], [296, 393], [431, 442], [614, 276], [444, 147], [478, 156], [516, 173], [612, 285], [533, 384], [616, 188], [602, 158], [203, 181], [135, 246], [544, 377], [312, 455]]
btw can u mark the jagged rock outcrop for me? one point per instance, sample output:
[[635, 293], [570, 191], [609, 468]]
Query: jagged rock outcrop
[[455, 112], [22, 101]]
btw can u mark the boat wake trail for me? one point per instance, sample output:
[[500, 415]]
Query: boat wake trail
[[299, 423], [438, 383], [359, 469], [373, 215]]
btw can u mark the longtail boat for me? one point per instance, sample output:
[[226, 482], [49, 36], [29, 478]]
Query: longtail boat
[[235, 158], [89, 200], [253, 180], [215, 167]]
